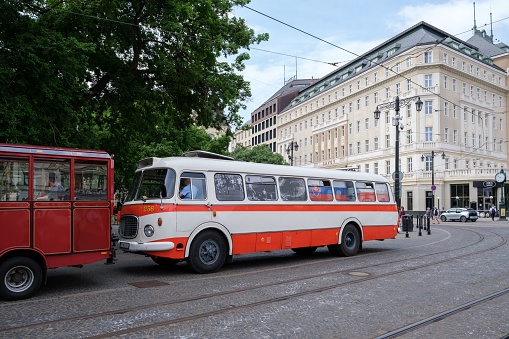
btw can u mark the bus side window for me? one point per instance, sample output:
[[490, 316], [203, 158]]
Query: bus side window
[[51, 179], [13, 179], [197, 189], [229, 187], [292, 189], [382, 192], [260, 188], [90, 180], [343, 191], [365, 191], [319, 190]]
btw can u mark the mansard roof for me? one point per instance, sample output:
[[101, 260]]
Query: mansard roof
[[421, 34]]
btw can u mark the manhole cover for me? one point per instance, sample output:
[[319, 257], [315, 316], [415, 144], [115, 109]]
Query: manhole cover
[[359, 274], [148, 283]]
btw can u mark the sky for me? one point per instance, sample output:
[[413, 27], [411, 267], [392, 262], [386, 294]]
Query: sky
[[343, 30]]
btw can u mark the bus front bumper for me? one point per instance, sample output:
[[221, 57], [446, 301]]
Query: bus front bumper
[[134, 246]]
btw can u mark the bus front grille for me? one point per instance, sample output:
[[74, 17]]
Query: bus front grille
[[128, 227]]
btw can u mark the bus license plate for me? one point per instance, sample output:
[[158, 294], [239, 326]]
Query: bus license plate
[[124, 245]]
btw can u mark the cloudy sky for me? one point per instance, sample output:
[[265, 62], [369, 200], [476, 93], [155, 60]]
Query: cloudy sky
[[346, 28]]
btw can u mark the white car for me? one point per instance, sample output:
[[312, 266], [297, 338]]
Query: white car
[[459, 214]]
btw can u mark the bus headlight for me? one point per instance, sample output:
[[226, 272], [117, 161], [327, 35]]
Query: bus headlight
[[148, 230]]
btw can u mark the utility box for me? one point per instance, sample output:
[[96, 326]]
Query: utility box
[[407, 223]]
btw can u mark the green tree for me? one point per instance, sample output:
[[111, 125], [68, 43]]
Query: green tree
[[120, 75], [259, 154]]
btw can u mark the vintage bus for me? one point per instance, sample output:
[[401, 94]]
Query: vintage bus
[[55, 210], [241, 207]]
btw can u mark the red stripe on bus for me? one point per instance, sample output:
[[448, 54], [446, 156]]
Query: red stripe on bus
[[141, 210]]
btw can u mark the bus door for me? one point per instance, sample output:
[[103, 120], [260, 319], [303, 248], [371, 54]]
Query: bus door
[[14, 204], [192, 199], [51, 206], [91, 207]]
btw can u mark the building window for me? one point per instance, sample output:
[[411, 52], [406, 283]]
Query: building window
[[387, 141], [428, 57], [428, 80], [398, 89], [445, 81], [454, 85], [446, 108], [375, 167], [428, 134], [409, 136], [375, 97], [409, 165], [446, 134], [409, 84], [366, 123], [387, 167], [428, 107], [366, 145], [375, 77], [375, 143], [408, 62]]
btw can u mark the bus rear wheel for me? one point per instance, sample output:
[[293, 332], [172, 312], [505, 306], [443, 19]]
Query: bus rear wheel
[[305, 250], [207, 253], [350, 243], [20, 277]]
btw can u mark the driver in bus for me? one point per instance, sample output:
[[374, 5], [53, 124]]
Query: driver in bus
[[189, 191]]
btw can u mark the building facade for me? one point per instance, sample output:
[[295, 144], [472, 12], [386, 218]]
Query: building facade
[[464, 89]]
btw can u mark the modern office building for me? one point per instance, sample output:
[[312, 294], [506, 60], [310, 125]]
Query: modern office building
[[449, 152]]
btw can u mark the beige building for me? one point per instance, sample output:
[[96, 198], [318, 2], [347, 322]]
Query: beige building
[[464, 89]]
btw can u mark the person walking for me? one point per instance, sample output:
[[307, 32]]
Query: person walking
[[493, 211], [436, 215]]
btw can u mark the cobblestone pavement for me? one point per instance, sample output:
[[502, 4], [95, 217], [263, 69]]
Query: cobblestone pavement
[[387, 286]]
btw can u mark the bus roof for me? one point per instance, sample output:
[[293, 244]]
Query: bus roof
[[52, 151], [215, 165]]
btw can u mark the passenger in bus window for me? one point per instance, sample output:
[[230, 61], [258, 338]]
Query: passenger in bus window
[[189, 191], [56, 191]]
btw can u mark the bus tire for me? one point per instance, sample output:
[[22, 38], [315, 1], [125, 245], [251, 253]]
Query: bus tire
[[305, 250], [20, 277], [350, 243], [165, 262], [208, 252]]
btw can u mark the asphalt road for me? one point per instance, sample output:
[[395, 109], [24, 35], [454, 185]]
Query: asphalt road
[[453, 283]]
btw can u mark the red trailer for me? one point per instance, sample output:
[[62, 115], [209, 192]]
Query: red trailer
[[55, 210]]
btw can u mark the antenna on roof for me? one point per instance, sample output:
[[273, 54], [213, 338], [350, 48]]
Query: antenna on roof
[[475, 26], [491, 23]]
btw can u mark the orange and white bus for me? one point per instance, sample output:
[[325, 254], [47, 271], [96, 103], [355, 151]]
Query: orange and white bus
[[241, 207], [55, 210]]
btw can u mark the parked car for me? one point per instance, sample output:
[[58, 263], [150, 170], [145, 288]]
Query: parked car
[[459, 214]]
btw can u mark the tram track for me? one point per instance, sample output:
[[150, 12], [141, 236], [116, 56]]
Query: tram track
[[233, 308]]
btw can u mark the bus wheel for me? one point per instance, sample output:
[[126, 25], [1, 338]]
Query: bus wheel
[[350, 243], [20, 278], [305, 250], [207, 253], [165, 262]]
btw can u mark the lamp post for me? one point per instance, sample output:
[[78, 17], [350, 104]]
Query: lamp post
[[457, 201], [396, 122], [293, 146], [500, 178], [433, 187]]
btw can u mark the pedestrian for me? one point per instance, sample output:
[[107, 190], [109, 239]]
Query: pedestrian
[[493, 211], [428, 213], [401, 214], [436, 215]]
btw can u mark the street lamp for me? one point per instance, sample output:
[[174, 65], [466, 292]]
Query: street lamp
[[457, 201], [433, 187], [396, 122], [289, 150]]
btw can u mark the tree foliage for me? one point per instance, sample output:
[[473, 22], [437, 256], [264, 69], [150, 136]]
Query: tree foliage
[[131, 77], [259, 154]]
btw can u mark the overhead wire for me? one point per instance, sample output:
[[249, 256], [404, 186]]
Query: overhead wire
[[390, 68]]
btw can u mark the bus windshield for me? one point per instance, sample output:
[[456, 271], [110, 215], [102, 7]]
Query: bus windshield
[[152, 184]]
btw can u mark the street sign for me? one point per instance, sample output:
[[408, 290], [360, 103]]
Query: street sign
[[399, 174], [433, 187]]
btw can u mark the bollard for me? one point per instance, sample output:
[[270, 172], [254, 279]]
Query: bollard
[[429, 230], [419, 224]]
